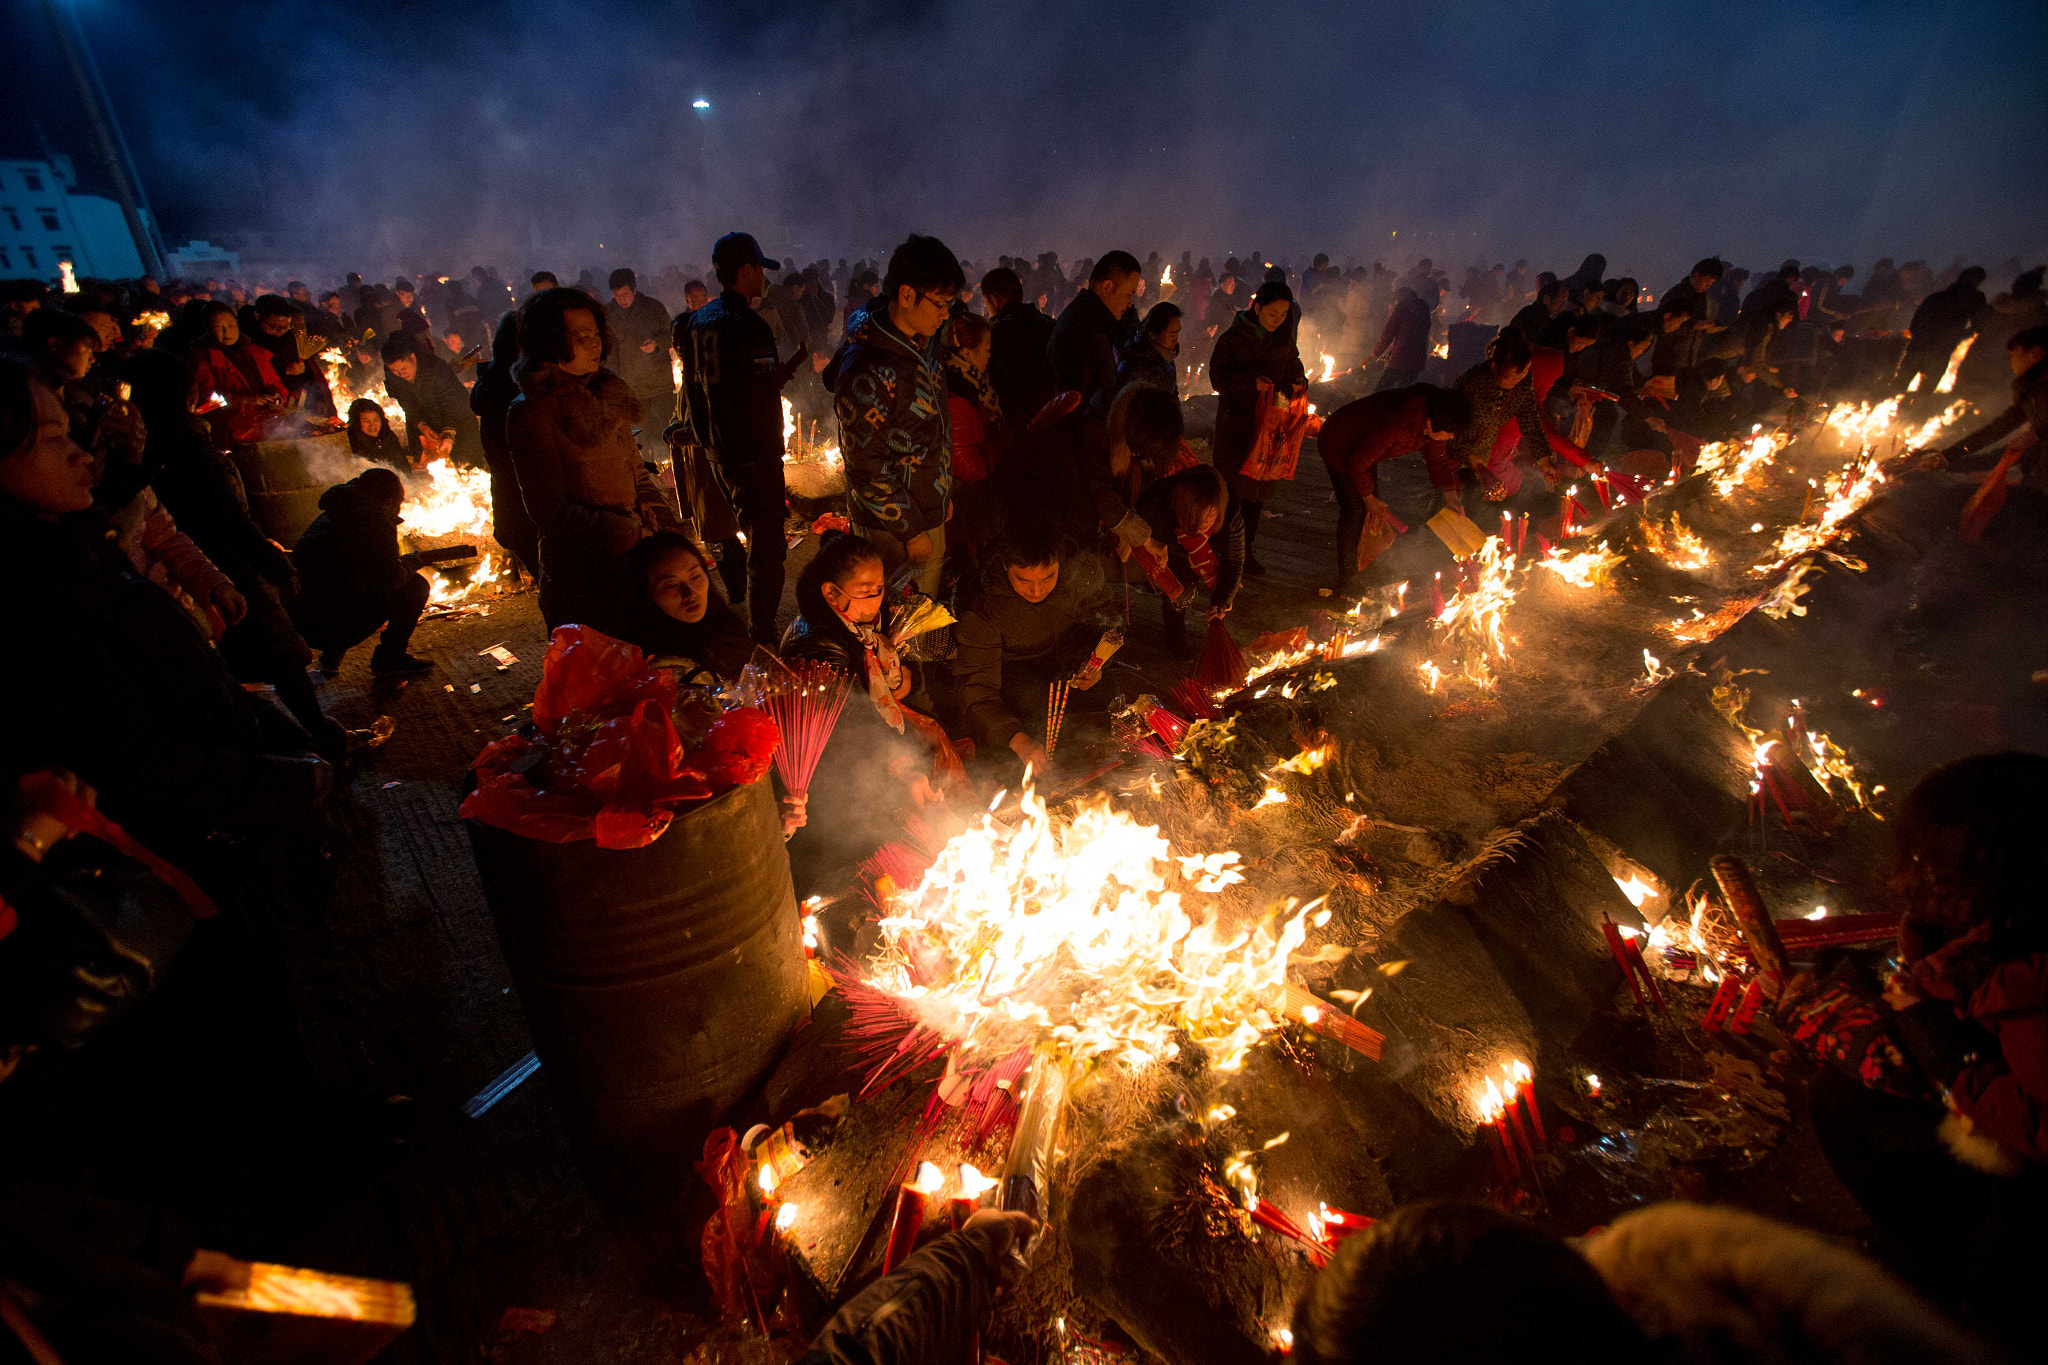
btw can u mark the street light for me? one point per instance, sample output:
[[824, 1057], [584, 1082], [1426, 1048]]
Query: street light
[[700, 103]]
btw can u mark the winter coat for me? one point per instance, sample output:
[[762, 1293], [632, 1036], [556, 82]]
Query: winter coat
[[434, 397], [349, 554], [1382, 426], [579, 469], [787, 318], [890, 398], [1492, 407], [1244, 355], [2002, 1091], [928, 1310], [127, 693], [649, 376], [1018, 367], [1226, 543], [1404, 341], [1945, 318], [1724, 1285], [1142, 363], [2029, 408], [241, 374], [732, 387], [1064, 473], [203, 490], [1082, 347], [1002, 628]]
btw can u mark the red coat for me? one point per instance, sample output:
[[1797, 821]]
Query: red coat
[[1382, 426], [2005, 1095], [971, 454], [241, 378]]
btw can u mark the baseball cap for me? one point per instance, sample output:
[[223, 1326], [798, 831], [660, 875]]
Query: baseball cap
[[737, 249]]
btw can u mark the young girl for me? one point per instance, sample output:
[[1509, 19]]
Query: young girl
[[678, 617], [371, 437], [880, 753], [1193, 512]]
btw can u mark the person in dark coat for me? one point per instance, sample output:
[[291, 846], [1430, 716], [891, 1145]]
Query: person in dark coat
[[438, 422], [931, 1308], [1940, 323], [1082, 472], [1043, 607], [1590, 273], [874, 763], [200, 488], [491, 398], [371, 437], [732, 401], [1018, 366], [1542, 321], [639, 325], [1084, 341], [2028, 354], [1256, 347], [1404, 341], [1191, 512], [1153, 356], [889, 387], [354, 582], [1365, 433], [408, 317], [677, 614]]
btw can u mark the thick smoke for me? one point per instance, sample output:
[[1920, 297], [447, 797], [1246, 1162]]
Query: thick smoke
[[389, 135]]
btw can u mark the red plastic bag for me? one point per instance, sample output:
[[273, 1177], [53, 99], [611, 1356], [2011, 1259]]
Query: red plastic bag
[[588, 671], [1276, 447]]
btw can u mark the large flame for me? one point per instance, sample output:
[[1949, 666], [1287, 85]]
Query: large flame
[[1089, 934], [454, 501]]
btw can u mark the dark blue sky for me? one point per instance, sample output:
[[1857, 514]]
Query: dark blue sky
[[525, 134]]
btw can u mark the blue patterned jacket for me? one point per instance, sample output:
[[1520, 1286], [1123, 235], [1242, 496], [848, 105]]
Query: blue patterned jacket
[[890, 398]]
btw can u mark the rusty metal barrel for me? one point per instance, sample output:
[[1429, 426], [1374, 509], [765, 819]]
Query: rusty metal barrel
[[285, 478], [660, 983]]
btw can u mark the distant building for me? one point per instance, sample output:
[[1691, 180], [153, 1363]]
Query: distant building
[[42, 222]]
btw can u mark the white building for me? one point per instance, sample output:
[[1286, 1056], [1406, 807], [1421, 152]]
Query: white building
[[43, 222]]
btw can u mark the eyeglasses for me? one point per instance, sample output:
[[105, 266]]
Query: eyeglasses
[[944, 301]]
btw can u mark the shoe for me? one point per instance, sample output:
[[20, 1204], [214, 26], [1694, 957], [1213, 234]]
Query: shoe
[[388, 665], [1252, 568], [330, 660]]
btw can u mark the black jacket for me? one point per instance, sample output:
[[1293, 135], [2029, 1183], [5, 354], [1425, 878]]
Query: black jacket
[[1082, 347], [732, 389], [1244, 355], [1003, 628], [202, 491], [649, 376], [1945, 317], [927, 1311], [1141, 363], [348, 555], [435, 397], [1018, 366]]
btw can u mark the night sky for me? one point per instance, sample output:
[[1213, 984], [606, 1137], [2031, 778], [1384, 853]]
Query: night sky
[[431, 135]]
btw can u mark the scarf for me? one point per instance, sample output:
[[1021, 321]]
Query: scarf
[[976, 380], [883, 668], [1201, 557]]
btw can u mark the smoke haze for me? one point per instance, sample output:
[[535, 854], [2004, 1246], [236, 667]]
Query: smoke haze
[[424, 135]]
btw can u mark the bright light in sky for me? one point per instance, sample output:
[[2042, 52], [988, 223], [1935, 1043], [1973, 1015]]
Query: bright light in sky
[[700, 104]]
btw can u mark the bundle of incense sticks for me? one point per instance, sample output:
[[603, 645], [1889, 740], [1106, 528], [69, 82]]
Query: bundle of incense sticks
[[1055, 712]]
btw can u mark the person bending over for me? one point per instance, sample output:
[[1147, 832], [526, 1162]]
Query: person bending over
[[1204, 549], [353, 582], [1367, 431], [1043, 607]]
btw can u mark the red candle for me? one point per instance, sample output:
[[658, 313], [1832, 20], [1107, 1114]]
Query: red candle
[[1514, 1121], [1525, 1088], [1436, 595], [1635, 956], [908, 1219], [1500, 1161], [1600, 488], [959, 1209], [1724, 1000], [1752, 998], [1612, 934], [1521, 533]]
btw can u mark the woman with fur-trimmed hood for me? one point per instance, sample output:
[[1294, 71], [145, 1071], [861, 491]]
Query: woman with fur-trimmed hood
[[580, 473]]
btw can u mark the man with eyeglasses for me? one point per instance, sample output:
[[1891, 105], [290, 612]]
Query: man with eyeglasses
[[889, 387]]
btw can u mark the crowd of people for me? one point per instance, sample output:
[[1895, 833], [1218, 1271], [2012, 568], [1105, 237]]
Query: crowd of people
[[1016, 448]]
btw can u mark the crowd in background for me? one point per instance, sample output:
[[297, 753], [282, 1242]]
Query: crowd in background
[[1016, 446]]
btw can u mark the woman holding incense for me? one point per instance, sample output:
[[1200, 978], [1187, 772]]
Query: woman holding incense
[[1043, 618], [1204, 547], [883, 754]]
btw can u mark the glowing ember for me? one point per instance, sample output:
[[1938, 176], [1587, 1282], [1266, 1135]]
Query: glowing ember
[[1955, 365], [1088, 934], [1273, 797], [1636, 889], [1330, 369], [1583, 568], [1678, 545]]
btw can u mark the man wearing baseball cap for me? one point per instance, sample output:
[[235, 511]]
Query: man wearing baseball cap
[[732, 399]]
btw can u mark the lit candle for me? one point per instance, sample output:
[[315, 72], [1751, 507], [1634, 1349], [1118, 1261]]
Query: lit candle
[[1514, 1115], [1525, 1087], [1493, 1106], [908, 1219], [973, 1185]]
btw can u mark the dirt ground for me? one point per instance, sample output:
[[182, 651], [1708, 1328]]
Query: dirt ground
[[403, 991]]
